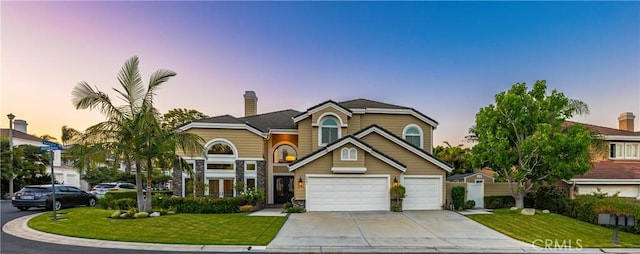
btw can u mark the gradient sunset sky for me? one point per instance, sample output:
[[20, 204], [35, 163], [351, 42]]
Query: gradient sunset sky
[[445, 59]]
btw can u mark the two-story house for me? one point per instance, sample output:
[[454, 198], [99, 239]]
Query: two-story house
[[617, 171], [335, 156], [63, 173]]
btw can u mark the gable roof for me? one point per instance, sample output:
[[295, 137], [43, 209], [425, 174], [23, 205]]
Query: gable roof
[[364, 106], [274, 120], [465, 175], [403, 143], [349, 139], [221, 122], [609, 133], [19, 134]]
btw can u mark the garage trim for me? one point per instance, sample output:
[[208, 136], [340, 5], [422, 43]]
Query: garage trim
[[387, 178]]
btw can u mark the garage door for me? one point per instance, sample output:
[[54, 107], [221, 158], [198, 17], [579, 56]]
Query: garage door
[[423, 193], [347, 193]]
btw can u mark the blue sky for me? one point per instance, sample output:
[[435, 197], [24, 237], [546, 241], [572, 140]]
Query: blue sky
[[445, 59]]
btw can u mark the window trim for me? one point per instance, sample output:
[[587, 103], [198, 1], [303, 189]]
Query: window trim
[[276, 146], [338, 126], [623, 150], [349, 152], [220, 140], [420, 135]]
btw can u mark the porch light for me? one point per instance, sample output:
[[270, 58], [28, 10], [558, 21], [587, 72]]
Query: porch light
[[290, 158], [395, 182], [300, 182]]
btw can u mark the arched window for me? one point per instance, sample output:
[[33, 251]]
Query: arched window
[[348, 154], [220, 148], [413, 134], [284, 154], [329, 130]]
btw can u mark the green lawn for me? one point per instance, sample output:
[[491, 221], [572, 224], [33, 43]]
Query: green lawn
[[554, 227], [206, 229]]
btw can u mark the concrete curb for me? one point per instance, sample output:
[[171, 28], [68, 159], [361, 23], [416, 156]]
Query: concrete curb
[[19, 228]]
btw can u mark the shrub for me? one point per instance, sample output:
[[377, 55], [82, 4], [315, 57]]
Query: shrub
[[121, 194], [295, 209], [469, 204], [125, 204], [587, 207], [457, 196], [203, 205], [287, 205], [131, 212], [107, 202], [141, 215], [496, 202], [550, 197], [116, 214], [253, 196], [246, 208]]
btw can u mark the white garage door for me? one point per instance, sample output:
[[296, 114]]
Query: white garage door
[[423, 193], [356, 193]]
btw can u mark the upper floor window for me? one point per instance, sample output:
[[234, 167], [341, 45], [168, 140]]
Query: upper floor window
[[413, 134], [329, 130], [348, 154], [220, 148], [284, 154], [624, 151]]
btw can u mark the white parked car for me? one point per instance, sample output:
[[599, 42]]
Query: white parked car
[[100, 189]]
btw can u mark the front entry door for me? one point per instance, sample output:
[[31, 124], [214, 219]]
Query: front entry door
[[282, 189]]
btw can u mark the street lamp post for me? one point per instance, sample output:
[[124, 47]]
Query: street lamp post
[[11, 117]]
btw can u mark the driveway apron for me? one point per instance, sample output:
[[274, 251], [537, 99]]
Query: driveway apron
[[431, 229]]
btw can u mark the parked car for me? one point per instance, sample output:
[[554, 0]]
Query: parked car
[[41, 196], [100, 189]]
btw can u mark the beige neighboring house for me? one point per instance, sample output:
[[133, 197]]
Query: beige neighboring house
[[334, 156], [63, 173], [619, 170], [481, 176]]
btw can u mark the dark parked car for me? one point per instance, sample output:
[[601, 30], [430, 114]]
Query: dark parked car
[[41, 196]]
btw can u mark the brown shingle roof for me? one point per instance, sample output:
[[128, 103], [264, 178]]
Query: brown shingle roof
[[364, 103], [19, 134], [613, 170], [605, 130]]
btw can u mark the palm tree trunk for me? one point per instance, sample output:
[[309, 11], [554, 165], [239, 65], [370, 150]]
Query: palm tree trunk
[[139, 195], [147, 207]]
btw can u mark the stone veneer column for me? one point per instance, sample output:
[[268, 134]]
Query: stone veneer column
[[239, 172], [199, 180], [261, 175], [176, 184]]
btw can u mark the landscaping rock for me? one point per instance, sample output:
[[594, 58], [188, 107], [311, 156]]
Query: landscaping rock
[[154, 214], [528, 211], [545, 211], [124, 215], [514, 208]]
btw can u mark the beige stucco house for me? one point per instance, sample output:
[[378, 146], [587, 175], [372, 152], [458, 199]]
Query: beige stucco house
[[335, 156]]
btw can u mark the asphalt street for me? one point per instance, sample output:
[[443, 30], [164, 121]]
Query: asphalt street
[[13, 245]]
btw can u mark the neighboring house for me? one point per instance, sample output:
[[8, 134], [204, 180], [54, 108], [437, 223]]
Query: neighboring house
[[482, 176], [335, 156], [619, 170], [63, 173]]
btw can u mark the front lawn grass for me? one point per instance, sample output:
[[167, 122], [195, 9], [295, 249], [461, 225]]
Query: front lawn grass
[[557, 228], [205, 229]]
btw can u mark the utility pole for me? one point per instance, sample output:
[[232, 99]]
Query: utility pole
[[11, 117]]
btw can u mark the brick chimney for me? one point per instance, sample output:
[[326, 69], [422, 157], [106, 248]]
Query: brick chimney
[[20, 125], [625, 121], [250, 103]]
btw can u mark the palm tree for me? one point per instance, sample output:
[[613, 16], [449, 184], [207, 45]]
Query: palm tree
[[69, 134], [131, 131], [457, 156]]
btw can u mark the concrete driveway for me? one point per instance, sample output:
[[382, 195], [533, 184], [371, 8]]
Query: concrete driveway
[[417, 230]]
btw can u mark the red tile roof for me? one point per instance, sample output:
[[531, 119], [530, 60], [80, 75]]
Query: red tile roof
[[613, 170]]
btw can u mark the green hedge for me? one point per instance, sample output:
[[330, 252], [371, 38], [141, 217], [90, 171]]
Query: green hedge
[[587, 207], [457, 196], [110, 198], [496, 202], [200, 205]]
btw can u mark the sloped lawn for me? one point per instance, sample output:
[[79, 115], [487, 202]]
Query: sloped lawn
[[205, 229], [555, 228]]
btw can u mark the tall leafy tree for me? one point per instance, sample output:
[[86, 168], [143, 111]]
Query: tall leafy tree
[[30, 165], [522, 136], [178, 116], [131, 131]]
